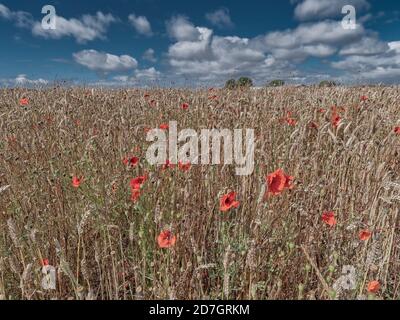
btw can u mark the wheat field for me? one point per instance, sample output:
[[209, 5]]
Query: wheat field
[[66, 199]]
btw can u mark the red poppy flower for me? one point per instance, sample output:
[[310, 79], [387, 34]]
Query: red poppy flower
[[329, 218], [146, 95], [397, 130], [313, 125], [132, 161], [136, 183], [289, 182], [277, 182], [164, 126], [167, 165], [166, 239], [184, 167], [364, 98], [228, 201], [23, 102], [45, 262], [291, 122], [365, 235], [146, 129], [373, 286], [335, 120], [135, 194], [322, 110], [76, 182], [289, 119], [185, 106]]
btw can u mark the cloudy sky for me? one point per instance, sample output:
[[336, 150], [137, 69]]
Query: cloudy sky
[[198, 43]]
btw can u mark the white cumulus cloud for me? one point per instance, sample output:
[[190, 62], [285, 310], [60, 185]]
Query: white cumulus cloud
[[87, 28], [104, 62], [20, 18], [149, 55], [140, 77], [366, 46], [23, 81], [141, 24], [320, 9], [220, 18], [181, 29]]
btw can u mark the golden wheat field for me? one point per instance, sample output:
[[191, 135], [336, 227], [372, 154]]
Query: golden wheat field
[[67, 200]]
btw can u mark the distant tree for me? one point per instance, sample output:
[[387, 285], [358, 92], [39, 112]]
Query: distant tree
[[327, 83], [245, 82], [276, 83], [230, 84]]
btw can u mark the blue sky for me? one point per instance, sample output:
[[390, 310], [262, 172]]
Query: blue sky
[[198, 43]]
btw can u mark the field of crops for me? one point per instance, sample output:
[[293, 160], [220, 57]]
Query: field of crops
[[317, 219]]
